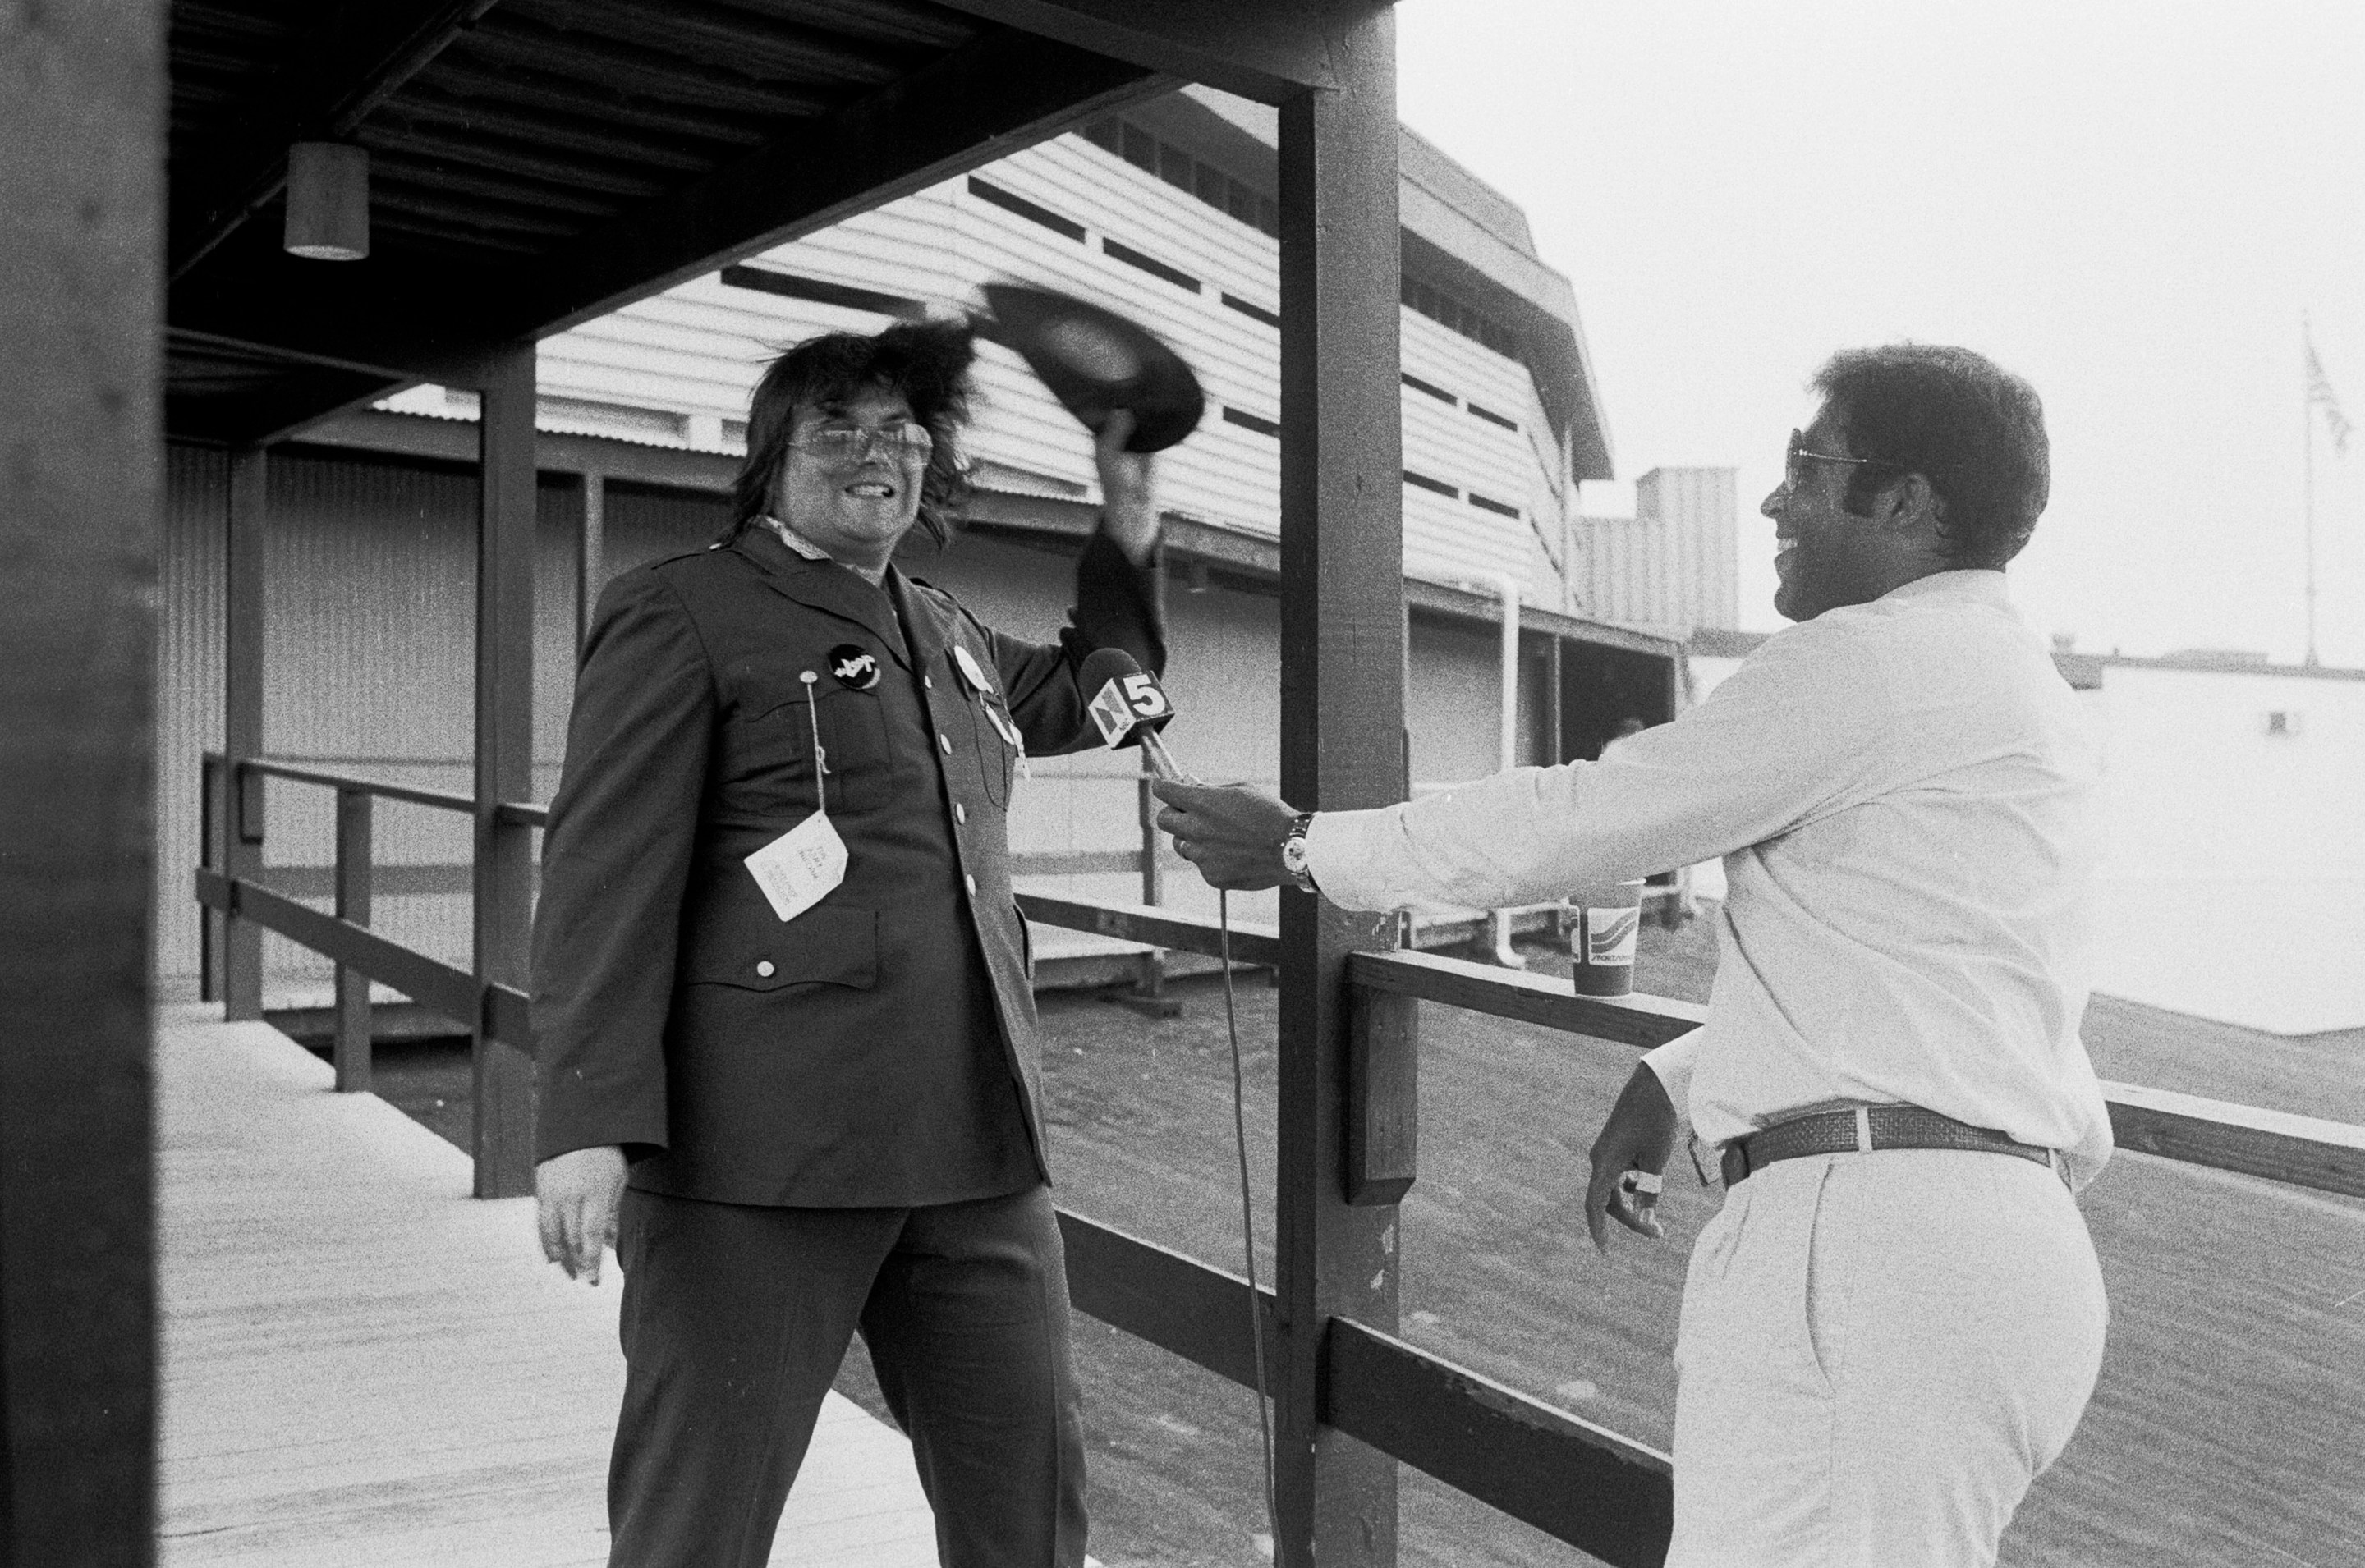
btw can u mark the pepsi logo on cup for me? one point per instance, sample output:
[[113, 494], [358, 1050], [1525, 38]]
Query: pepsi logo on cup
[[1610, 934], [854, 665]]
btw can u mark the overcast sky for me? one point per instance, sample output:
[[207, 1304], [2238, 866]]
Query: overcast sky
[[2130, 204]]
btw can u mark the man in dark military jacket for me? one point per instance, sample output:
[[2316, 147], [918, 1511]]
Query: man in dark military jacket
[[786, 1046]]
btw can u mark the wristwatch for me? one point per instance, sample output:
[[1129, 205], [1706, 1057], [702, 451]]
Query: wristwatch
[[1292, 854]]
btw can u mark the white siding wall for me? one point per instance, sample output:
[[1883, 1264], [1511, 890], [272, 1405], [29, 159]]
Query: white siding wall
[[698, 350]]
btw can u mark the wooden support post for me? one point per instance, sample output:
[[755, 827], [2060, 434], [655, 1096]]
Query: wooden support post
[[241, 844], [590, 553], [209, 920], [1150, 979], [353, 893], [503, 1133], [1342, 746], [1550, 725], [81, 116]]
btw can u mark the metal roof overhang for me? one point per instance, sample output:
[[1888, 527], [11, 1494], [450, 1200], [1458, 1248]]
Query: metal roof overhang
[[536, 163]]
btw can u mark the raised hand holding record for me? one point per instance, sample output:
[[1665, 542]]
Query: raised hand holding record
[[1095, 362]]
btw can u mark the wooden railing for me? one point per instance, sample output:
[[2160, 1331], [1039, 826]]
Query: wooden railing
[[1602, 1493]]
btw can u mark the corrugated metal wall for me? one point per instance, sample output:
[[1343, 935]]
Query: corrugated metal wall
[[369, 617], [1694, 509], [1672, 567], [188, 686]]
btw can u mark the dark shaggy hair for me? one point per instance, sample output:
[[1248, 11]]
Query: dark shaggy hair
[[1971, 428], [925, 362]]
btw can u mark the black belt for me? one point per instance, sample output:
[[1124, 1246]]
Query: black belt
[[1887, 1127]]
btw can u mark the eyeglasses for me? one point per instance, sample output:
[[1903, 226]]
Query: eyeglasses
[[1796, 458], [852, 444]]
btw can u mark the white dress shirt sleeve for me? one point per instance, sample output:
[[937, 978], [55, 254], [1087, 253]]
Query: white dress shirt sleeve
[[1672, 1065], [1786, 738]]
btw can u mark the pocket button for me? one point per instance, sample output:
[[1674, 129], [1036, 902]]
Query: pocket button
[[946, 743], [971, 882], [960, 813], [764, 969]]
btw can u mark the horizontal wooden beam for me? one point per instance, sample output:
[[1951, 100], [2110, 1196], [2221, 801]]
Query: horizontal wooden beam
[[2302, 1150], [1581, 1482], [432, 321], [1003, 91], [1265, 50], [441, 800], [1584, 1484], [1531, 999], [1076, 863], [437, 986], [1173, 1301], [1250, 944], [353, 59]]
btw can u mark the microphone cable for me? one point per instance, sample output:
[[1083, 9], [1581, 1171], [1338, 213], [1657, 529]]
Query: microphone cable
[[1248, 1211]]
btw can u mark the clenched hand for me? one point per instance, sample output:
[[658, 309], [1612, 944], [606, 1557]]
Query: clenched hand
[[1639, 1134], [575, 1195]]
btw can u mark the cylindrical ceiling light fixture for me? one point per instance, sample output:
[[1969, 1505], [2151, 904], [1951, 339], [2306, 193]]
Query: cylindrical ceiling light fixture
[[328, 201]]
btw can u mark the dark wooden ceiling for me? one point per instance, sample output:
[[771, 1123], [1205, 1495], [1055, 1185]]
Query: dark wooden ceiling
[[536, 163]]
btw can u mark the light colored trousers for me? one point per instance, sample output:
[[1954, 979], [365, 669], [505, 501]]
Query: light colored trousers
[[1878, 1354]]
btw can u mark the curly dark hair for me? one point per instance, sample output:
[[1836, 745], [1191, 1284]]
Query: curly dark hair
[[1971, 428], [926, 363]]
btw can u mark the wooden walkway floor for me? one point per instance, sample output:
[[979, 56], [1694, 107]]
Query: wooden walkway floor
[[362, 1365]]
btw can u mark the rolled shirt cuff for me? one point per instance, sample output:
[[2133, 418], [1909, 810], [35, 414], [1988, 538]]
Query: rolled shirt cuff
[[1346, 853], [1673, 1063]]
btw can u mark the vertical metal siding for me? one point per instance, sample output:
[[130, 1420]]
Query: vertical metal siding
[[188, 688]]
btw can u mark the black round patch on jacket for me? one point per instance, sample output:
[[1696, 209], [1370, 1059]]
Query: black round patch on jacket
[[854, 665]]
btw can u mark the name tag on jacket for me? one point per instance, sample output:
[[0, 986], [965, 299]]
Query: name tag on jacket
[[801, 867]]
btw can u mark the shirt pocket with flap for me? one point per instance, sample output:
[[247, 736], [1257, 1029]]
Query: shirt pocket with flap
[[766, 754]]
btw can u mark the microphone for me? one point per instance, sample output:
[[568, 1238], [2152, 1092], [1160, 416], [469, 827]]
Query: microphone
[[1130, 708]]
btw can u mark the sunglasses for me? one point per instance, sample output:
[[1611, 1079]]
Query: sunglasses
[[852, 444], [1797, 456]]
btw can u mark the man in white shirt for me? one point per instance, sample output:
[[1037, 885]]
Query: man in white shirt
[[1894, 1323]]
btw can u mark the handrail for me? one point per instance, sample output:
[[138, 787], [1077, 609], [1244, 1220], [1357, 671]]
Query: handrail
[[1637, 1020], [2303, 1151], [440, 799], [1584, 1485]]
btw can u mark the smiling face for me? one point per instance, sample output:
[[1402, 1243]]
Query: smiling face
[[852, 496], [1826, 556]]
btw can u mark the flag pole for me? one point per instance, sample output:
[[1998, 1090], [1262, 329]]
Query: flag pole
[[2307, 476]]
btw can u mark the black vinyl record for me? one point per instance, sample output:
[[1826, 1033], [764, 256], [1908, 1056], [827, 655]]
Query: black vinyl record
[[1095, 360]]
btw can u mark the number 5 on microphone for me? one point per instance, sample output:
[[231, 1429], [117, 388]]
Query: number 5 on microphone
[[1149, 702]]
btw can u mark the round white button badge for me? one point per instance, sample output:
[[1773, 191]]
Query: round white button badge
[[764, 969]]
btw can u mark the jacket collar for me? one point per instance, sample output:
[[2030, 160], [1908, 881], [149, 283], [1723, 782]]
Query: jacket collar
[[927, 619], [827, 587]]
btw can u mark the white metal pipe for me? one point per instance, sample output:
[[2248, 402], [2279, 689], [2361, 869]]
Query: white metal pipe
[[1507, 589]]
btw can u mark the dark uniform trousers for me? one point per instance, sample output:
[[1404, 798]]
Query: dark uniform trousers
[[833, 1121], [736, 1318]]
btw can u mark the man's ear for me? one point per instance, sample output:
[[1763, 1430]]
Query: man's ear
[[1910, 504]]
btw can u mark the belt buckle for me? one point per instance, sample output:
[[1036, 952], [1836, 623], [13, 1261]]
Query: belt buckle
[[1732, 1163]]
